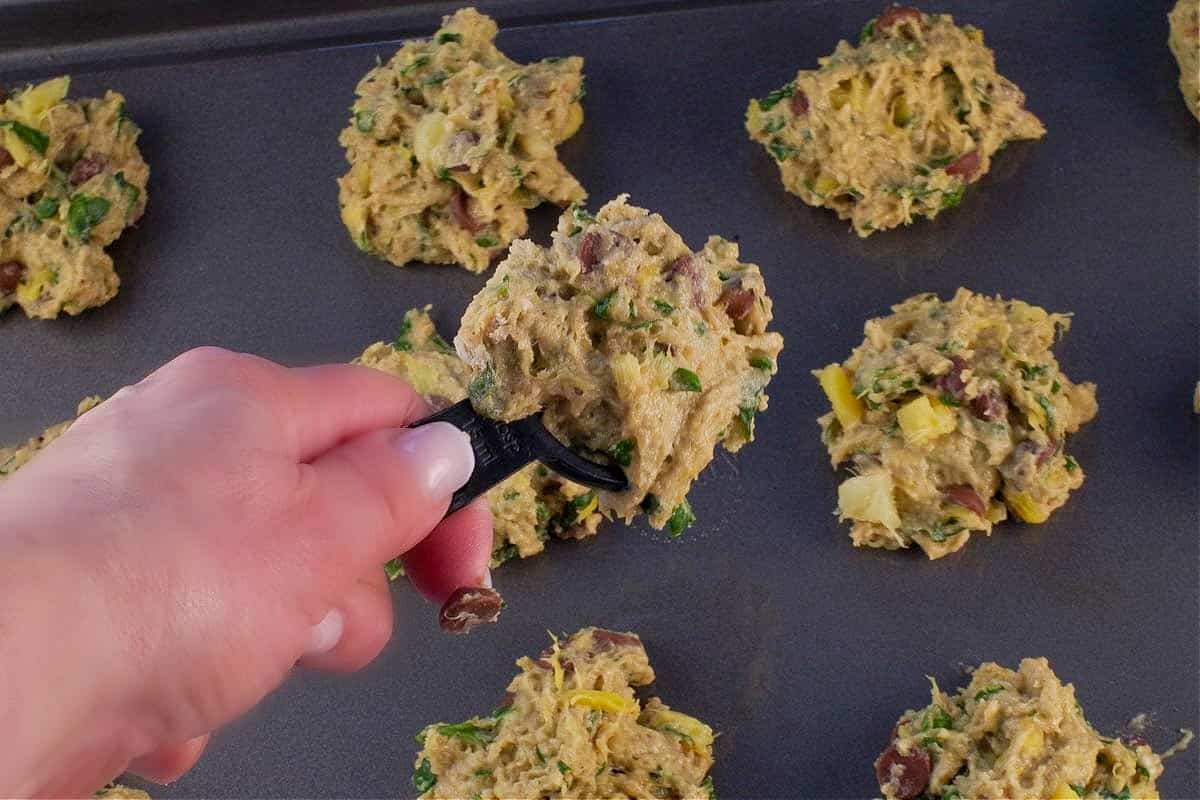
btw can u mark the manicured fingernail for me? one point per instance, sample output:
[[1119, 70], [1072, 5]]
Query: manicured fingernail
[[440, 456], [325, 635], [486, 578]]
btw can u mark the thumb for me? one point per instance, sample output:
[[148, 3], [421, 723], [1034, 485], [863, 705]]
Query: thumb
[[379, 494]]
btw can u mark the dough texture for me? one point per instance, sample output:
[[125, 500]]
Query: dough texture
[[948, 412], [896, 127], [450, 142], [636, 348], [1185, 44], [571, 726], [71, 181], [1014, 735], [528, 507], [14, 457]]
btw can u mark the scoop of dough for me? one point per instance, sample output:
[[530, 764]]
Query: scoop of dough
[[1185, 44], [527, 508], [571, 726], [896, 127], [949, 411], [16, 456], [451, 141], [71, 181], [1014, 734], [636, 348]]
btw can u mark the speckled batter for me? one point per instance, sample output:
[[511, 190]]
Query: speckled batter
[[1185, 44], [947, 412], [71, 180], [450, 142], [528, 507], [1011, 735], [15, 457], [571, 726], [896, 127], [638, 349]]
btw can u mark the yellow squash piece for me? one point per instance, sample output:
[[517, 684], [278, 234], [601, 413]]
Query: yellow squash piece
[[602, 701], [922, 420], [835, 381], [1025, 507], [869, 498]]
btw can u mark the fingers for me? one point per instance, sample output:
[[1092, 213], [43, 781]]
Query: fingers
[[169, 763], [315, 408], [455, 554], [377, 496], [365, 611]]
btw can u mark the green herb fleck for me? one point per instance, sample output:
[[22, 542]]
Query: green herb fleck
[[603, 306], [952, 197], [1071, 464], [708, 784], [482, 385], [487, 240], [763, 363], [772, 99], [622, 452], [867, 33], [1079, 789], [436, 79], [394, 568], [563, 768], [482, 773], [537, 751], [1055, 387], [948, 399], [423, 779], [663, 307], [774, 125], [414, 66], [1032, 372], [983, 694], [447, 36], [84, 212], [364, 121], [401, 341], [684, 380], [46, 208], [936, 717], [781, 149], [469, 732], [681, 519], [1048, 408], [30, 136], [131, 192]]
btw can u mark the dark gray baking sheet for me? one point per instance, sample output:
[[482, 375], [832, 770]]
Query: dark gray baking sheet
[[763, 619]]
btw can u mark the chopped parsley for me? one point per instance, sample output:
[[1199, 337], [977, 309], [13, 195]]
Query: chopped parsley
[[46, 208], [415, 65], [763, 363], [401, 341], [482, 773], [436, 79], [563, 768], [774, 125], [772, 99], [952, 197], [440, 343], [574, 510], [983, 694], [364, 121], [708, 785], [131, 192], [622, 452], [469, 732], [85, 212], [937, 162], [423, 779], [1071, 464], [781, 149], [447, 36], [936, 717], [1048, 408], [684, 380], [482, 385], [1032, 372], [867, 33], [394, 568], [681, 519], [602, 307], [487, 240], [30, 136], [664, 307], [948, 399]]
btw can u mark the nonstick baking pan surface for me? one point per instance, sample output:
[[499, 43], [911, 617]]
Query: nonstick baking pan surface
[[762, 619]]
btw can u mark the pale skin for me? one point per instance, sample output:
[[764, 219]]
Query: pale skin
[[168, 561]]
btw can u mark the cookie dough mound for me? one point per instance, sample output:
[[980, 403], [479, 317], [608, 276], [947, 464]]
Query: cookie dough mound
[[1012, 735], [1185, 44], [115, 791], [896, 127], [17, 456], [450, 143], [71, 180], [637, 349], [947, 412], [571, 726], [528, 507]]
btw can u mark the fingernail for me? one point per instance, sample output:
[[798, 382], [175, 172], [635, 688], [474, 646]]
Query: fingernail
[[486, 578], [440, 455], [325, 635]]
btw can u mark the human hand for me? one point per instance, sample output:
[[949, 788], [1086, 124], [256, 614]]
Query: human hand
[[167, 561]]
